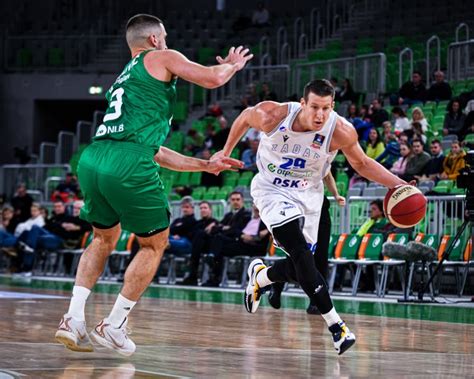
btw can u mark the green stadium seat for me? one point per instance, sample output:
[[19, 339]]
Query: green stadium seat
[[182, 179], [345, 253], [24, 58], [180, 111], [195, 179], [55, 57], [230, 178], [198, 193], [469, 138], [245, 178], [369, 253], [205, 55]]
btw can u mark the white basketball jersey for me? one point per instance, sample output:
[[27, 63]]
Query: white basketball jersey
[[296, 161]]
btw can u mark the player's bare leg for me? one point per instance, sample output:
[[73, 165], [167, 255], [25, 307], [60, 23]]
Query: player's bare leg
[[111, 332], [72, 331]]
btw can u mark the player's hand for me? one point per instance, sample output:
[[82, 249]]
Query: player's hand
[[236, 56], [217, 164], [341, 200]]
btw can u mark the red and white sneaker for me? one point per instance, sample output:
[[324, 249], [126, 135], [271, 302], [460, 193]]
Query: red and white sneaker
[[114, 338], [73, 334]]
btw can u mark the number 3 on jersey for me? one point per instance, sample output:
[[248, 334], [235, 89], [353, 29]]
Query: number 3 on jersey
[[116, 105], [295, 163]]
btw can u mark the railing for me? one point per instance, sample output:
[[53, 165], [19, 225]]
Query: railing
[[234, 90], [461, 60], [281, 41], [33, 175], [367, 72], [298, 30], [66, 147], [436, 39], [83, 132], [409, 52], [48, 153], [466, 31]]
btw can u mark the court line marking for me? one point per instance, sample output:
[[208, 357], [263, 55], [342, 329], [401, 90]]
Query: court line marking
[[269, 349], [96, 368]]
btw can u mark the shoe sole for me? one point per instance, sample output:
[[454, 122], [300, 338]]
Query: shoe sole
[[249, 304], [346, 345], [108, 345], [64, 338]]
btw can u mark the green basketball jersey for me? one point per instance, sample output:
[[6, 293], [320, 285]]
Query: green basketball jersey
[[140, 107]]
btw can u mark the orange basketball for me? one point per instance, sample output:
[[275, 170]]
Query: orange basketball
[[404, 206]]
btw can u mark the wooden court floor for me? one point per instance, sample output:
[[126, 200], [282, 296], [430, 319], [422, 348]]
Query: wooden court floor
[[199, 334]]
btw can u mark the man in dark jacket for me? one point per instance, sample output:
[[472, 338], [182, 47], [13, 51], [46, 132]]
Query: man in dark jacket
[[434, 167], [417, 162], [182, 229], [440, 89], [231, 226], [413, 91]]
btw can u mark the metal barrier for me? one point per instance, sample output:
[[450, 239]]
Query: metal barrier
[[444, 214], [464, 26], [367, 72], [83, 132], [461, 60], [47, 153], [409, 52], [234, 90], [436, 39], [33, 175], [66, 147]]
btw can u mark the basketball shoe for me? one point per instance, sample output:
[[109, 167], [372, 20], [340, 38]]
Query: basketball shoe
[[114, 338], [342, 337], [253, 292], [73, 334]]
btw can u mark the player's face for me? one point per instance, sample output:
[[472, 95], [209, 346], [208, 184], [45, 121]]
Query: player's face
[[316, 110]]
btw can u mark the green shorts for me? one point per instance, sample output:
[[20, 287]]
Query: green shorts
[[120, 183]]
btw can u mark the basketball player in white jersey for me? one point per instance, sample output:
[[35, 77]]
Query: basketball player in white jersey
[[299, 142]]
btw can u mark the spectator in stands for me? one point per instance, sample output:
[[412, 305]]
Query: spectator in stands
[[390, 154], [337, 89], [378, 115], [417, 132], [220, 137], [347, 93], [202, 230], [35, 219], [21, 203], [454, 162], [182, 228], [401, 121], [468, 127], [454, 119], [413, 91], [399, 167], [260, 16], [193, 141], [250, 98], [67, 190], [249, 156], [375, 146], [266, 94], [253, 241], [417, 115], [362, 123], [435, 165], [208, 179], [352, 113], [376, 222], [387, 134], [440, 89], [7, 227], [417, 162], [231, 226]]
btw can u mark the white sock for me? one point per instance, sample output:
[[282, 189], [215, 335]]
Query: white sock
[[78, 302], [120, 311], [331, 317], [262, 278]]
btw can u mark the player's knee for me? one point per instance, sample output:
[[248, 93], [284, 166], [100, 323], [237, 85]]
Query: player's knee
[[106, 242]]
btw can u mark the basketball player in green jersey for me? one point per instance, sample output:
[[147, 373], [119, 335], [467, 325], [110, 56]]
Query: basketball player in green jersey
[[119, 175]]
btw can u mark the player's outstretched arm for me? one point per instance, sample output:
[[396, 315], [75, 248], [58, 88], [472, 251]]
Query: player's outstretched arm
[[175, 161], [263, 117], [207, 77], [345, 138]]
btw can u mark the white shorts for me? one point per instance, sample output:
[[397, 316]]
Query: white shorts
[[278, 207]]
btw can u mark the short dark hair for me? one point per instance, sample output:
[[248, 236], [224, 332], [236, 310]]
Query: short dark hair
[[436, 141], [205, 202], [399, 111], [418, 140], [320, 87], [142, 19], [417, 72], [236, 193]]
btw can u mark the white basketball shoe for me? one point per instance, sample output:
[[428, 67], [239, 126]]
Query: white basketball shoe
[[114, 338], [342, 337], [253, 294], [73, 334]]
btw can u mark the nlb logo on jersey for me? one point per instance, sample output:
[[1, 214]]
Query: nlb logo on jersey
[[318, 141], [103, 130], [290, 183]]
